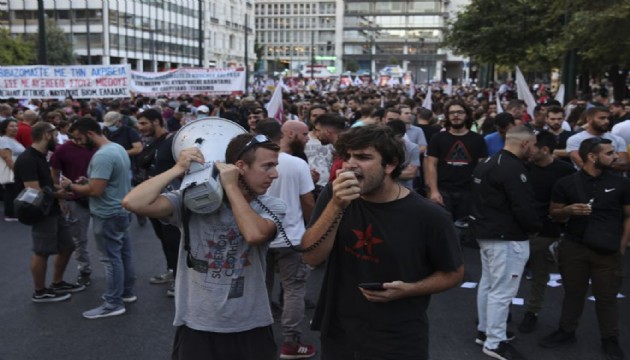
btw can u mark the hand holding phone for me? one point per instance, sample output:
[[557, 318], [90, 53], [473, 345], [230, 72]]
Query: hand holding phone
[[372, 286]]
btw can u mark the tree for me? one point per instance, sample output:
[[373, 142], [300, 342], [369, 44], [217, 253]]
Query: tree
[[506, 32], [352, 66], [15, 51], [536, 34], [60, 49], [259, 50]]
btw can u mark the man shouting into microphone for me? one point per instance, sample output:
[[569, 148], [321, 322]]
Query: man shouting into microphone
[[388, 250]]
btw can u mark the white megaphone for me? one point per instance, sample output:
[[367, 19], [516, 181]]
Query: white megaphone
[[211, 135]]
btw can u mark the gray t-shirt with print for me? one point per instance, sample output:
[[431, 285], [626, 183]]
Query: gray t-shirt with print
[[227, 293]]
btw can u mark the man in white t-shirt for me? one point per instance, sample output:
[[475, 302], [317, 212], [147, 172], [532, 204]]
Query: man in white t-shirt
[[293, 185], [598, 125], [622, 130]]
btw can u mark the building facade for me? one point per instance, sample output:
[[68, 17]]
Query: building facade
[[294, 35], [151, 35], [405, 33]]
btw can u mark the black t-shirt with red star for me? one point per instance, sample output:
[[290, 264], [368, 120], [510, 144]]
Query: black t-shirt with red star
[[408, 240]]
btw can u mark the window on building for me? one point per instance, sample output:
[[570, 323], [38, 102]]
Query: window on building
[[357, 7]]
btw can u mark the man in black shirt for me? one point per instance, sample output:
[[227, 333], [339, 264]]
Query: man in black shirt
[[424, 122], [451, 158], [544, 171], [50, 236], [371, 232], [154, 159], [504, 216], [554, 120], [595, 204]]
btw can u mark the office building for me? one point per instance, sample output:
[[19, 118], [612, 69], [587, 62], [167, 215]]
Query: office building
[[151, 35]]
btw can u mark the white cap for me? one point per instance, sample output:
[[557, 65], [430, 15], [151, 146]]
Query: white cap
[[203, 109]]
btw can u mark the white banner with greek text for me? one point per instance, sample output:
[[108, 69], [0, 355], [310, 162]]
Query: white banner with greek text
[[191, 81], [79, 82]]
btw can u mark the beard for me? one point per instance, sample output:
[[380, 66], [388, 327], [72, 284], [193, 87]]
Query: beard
[[373, 183], [89, 144], [458, 125], [600, 128], [601, 166], [297, 147]]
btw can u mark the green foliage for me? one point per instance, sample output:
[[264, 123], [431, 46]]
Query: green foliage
[[15, 51], [60, 49], [533, 33], [352, 66], [259, 50]]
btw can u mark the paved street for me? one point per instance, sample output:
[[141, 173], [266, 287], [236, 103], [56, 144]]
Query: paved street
[[58, 331]]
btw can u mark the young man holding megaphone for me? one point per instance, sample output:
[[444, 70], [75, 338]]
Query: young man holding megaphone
[[221, 307]]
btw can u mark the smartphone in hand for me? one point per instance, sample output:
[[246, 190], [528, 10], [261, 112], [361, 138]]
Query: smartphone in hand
[[372, 286]]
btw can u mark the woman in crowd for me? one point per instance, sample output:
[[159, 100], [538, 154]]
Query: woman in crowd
[[10, 149]]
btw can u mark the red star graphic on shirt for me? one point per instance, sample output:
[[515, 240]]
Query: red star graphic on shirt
[[365, 240]]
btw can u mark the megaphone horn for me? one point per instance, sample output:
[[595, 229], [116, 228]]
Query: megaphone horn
[[211, 135]]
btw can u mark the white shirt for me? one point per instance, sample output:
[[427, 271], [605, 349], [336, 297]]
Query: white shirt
[[294, 180], [622, 130]]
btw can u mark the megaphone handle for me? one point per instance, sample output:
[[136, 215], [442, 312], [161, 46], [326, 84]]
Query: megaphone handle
[[195, 166]]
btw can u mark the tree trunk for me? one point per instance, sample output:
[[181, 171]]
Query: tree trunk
[[618, 78]]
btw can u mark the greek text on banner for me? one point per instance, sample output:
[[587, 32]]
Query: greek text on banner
[[190, 81], [80, 81]]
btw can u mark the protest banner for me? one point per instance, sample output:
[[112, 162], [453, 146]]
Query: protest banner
[[191, 81], [79, 82]]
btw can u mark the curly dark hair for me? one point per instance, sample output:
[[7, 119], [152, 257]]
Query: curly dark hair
[[382, 138]]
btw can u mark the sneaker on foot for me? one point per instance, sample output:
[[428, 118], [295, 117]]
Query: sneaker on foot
[[84, 279], [130, 298], [611, 348], [65, 287], [104, 311], [504, 351], [171, 290], [48, 295], [557, 338], [10, 219], [162, 278], [125, 298], [529, 323], [481, 337], [296, 350]]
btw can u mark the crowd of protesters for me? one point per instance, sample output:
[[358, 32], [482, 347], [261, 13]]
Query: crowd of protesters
[[353, 168]]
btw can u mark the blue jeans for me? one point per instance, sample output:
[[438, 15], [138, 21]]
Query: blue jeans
[[502, 264], [112, 240]]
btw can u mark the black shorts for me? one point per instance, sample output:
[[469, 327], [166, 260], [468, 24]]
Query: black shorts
[[254, 344], [51, 236]]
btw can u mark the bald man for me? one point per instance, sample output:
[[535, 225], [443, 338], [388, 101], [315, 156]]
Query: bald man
[[294, 138], [29, 118]]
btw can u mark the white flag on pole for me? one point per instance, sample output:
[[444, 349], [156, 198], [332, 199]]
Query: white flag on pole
[[428, 102], [449, 87], [412, 89], [499, 107], [274, 106], [560, 95], [358, 81], [524, 93]]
